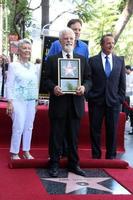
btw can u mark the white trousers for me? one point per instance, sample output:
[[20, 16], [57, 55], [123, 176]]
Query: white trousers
[[23, 119]]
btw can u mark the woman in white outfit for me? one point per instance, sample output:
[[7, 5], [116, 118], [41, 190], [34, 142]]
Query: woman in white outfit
[[22, 93]]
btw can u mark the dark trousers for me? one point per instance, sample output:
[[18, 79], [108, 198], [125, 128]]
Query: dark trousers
[[131, 118], [64, 149], [128, 111], [96, 114], [58, 129], [2, 88], [66, 127]]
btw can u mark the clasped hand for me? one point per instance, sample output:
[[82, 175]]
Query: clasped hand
[[80, 91], [57, 91], [9, 109]]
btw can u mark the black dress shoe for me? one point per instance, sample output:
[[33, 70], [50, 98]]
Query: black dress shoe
[[130, 133], [77, 170], [53, 171]]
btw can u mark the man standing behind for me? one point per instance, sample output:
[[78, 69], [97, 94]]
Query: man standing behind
[[106, 96], [65, 108], [80, 47]]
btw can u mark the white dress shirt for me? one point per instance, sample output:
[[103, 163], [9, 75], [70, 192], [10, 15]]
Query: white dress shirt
[[65, 54], [103, 55]]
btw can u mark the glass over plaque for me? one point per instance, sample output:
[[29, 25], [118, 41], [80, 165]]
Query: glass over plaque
[[69, 74]]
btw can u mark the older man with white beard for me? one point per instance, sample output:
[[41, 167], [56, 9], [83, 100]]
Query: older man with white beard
[[65, 110]]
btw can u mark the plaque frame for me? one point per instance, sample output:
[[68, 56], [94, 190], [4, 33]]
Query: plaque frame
[[69, 75]]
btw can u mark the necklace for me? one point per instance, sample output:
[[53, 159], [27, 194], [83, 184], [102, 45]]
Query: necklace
[[25, 64]]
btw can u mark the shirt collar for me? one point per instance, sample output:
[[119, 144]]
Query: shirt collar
[[64, 54], [104, 55], [77, 43]]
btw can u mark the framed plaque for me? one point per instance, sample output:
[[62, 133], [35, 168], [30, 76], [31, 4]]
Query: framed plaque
[[69, 75]]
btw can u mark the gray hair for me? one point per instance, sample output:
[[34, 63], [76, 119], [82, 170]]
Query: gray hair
[[66, 30], [24, 41]]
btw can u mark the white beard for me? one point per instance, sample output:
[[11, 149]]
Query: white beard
[[68, 48]]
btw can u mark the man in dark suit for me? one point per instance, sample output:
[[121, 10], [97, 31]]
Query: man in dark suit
[[65, 110], [80, 48], [106, 96]]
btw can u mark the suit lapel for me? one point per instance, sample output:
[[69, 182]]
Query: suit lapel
[[99, 63], [60, 55], [114, 64], [75, 55]]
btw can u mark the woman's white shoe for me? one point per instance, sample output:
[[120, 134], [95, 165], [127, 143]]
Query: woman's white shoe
[[15, 157], [28, 156]]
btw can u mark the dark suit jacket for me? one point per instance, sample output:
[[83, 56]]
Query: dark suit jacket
[[58, 104], [110, 90]]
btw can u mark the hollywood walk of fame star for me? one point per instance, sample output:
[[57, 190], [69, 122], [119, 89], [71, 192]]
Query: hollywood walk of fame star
[[75, 182], [69, 70]]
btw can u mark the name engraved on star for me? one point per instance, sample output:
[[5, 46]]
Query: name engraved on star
[[69, 75], [101, 183], [75, 182]]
